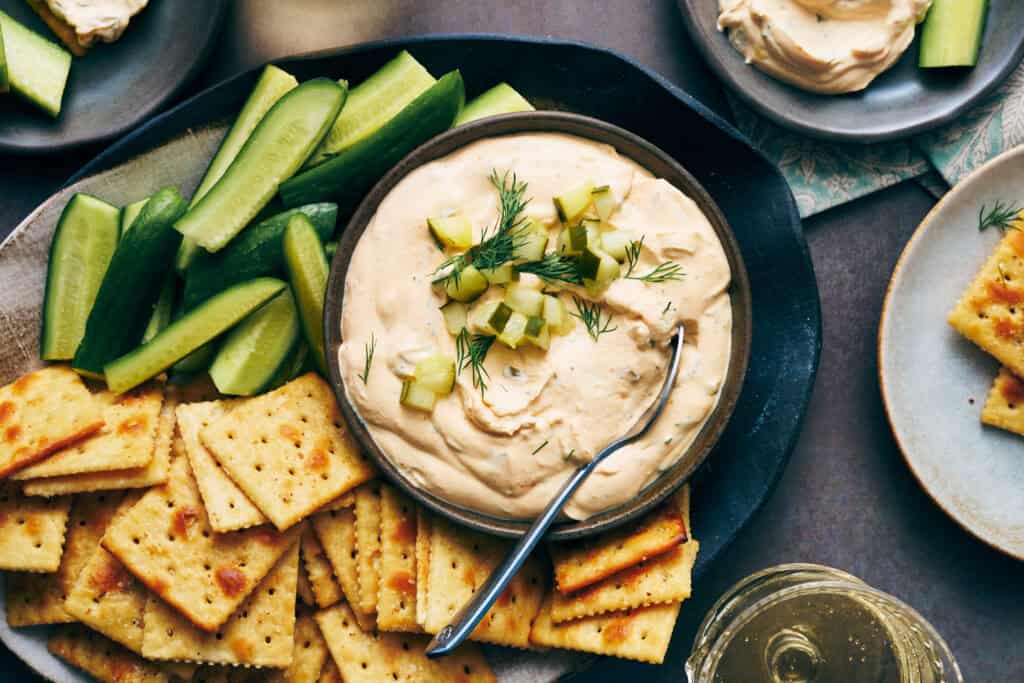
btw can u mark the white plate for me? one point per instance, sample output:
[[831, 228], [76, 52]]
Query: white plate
[[23, 258], [935, 382]]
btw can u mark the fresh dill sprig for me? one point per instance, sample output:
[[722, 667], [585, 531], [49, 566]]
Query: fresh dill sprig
[[1000, 216], [669, 270], [471, 350], [539, 448], [553, 268], [591, 315], [498, 243], [369, 349]]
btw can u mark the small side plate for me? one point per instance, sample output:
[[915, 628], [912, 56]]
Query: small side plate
[[934, 382]]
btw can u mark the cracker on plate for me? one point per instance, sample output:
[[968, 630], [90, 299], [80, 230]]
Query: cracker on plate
[[367, 658], [127, 438], [227, 507], [424, 530], [166, 542], [642, 634], [367, 518], [153, 473], [31, 530], [1005, 405], [579, 564], [991, 311], [260, 633], [336, 531], [326, 590], [460, 562], [309, 654], [661, 579], [288, 450], [34, 599], [106, 660], [42, 413], [396, 601]]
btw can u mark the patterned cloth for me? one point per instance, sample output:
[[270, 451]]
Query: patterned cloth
[[822, 174]]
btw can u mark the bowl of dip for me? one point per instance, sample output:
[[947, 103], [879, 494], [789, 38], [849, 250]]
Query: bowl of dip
[[491, 457]]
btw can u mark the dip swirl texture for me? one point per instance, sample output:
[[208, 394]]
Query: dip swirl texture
[[506, 452], [826, 46]]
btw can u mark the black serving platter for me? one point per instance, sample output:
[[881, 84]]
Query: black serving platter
[[752, 453]]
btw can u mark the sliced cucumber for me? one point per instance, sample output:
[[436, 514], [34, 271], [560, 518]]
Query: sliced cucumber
[[437, 373], [470, 284], [254, 352], [190, 332], [452, 231], [131, 287], [417, 396], [501, 99], [952, 33], [4, 82], [197, 361], [455, 317], [37, 69], [130, 213], [571, 205], [163, 310], [277, 147], [307, 270], [373, 103], [346, 177], [83, 244], [292, 368], [258, 251], [273, 83]]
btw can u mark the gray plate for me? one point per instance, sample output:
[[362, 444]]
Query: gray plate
[[903, 101], [934, 382]]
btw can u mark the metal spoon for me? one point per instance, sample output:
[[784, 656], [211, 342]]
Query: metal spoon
[[452, 635]]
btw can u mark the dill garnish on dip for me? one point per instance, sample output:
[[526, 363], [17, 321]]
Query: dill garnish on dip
[[539, 328]]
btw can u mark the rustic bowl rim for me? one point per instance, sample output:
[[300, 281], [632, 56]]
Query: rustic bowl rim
[[648, 156]]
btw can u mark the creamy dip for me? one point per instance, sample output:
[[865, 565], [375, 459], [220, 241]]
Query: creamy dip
[[105, 20], [827, 46], [544, 412]]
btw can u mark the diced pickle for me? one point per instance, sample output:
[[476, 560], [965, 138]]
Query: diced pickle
[[471, 284], [455, 315], [500, 275], [452, 231], [554, 312], [604, 201], [480, 317], [417, 396], [616, 242], [537, 332], [524, 300], [515, 331], [604, 269], [572, 204], [436, 373], [531, 243], [499, 318]]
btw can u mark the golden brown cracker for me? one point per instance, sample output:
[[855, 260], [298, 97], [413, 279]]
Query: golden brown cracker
[[31, 530], [460, 562], [34, 599], [260, 633], [303, 587], [642, 634], [336, 532], [102, 658], [326, 590], [396, 601], [579, 564], [126, 440], [424, 530], [288, 450], [43, 412], [367, 518], [166, 542], [367, 658], [309, 654], [1005, 405], [153, 473], [330, 674], [227, 507]]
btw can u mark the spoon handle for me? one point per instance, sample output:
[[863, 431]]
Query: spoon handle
[[452, 635]]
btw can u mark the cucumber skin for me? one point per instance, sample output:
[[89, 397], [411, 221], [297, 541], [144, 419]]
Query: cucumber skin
[[216, 316], [346, 177], [48, 342], [208, 211], [257, 251], [132, 284], [307, 272], [163, 309], [501, 99], [4, 83], [944, 29]]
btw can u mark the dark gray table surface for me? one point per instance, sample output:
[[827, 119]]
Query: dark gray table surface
[[847, 499]]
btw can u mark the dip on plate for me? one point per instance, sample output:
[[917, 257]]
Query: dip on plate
[[506, 450], [825, 46]]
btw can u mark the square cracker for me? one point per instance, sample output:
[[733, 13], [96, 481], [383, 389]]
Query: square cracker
[[326, 590], [661, 579], [991, 311], [396, 601], [34, 599], [260, 633], [42, 413], [424, 530], [31, 530], [227, 507], [1005, 405], [336, 531], [367, 517], [309, 654], [106, 597], [330, 674], [460, 562], [166, 542], [642, 634], [288, 450], [102, 658], [579, 564], [151, 474], [367, 658], [126, 439], [302, 586]]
